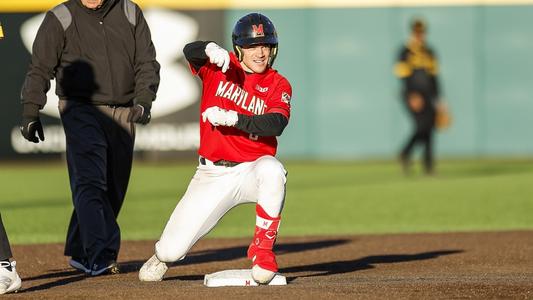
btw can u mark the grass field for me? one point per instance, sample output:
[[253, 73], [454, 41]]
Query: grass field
[[322, 199]]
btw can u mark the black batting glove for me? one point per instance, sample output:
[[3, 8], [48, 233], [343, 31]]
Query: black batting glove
[[140, 114], [32, 129]]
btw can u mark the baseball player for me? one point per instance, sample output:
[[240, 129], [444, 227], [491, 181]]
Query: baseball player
[[417, 66], [245, 105]]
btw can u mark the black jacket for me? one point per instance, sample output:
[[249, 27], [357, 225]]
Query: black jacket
[[100, 58]]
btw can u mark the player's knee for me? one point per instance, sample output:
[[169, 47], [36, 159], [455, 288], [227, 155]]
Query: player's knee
[[269, 168], [169, 253]]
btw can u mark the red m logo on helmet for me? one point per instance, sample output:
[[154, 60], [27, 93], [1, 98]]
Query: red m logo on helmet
[[258, 30]]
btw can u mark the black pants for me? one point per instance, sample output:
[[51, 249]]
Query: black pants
[[99, 156], [5, 249], [424, 124]]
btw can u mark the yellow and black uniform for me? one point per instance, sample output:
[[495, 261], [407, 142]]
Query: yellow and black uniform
[[417, 66]]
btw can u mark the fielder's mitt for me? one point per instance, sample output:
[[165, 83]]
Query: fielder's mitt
[[443, 118]]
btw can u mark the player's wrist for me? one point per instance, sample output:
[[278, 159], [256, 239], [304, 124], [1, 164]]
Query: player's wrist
[[232, 118]]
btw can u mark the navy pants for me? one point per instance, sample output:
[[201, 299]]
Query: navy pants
[[99, 156], [5, 249]]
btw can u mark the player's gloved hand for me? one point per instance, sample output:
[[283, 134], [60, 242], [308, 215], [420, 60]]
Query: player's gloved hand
[[218, 56], [31, 128], [140, 114], [220, 117]]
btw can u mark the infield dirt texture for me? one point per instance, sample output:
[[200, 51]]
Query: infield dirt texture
[[485, 265]]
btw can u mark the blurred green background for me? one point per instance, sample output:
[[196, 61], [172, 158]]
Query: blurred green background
[[345, 107], [339, 61], [331, 198], [346, 99]]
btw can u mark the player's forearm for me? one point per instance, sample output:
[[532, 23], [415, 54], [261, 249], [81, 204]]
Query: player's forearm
[[271, 124], [195, 53]]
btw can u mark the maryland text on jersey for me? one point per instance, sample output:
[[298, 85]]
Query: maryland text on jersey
[[239, 96]]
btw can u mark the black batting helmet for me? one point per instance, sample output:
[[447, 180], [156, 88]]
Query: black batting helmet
[[254, 29]]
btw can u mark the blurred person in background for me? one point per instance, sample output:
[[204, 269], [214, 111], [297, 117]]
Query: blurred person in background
[[417, 67], [101, 54], [9, 279]]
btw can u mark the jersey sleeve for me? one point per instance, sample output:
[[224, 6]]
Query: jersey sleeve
[[280, 100], [402, 68], [195, 55]]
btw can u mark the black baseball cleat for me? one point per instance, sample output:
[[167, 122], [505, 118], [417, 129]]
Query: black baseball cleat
[[80, 263], [102, 267]]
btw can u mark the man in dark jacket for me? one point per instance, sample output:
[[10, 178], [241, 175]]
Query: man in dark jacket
[[101, 54]]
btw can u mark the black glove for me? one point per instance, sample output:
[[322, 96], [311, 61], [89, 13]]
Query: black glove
[[29, 127], [140, 114]]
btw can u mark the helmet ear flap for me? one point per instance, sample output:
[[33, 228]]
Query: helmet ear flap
[[273, 54], [238, 51]]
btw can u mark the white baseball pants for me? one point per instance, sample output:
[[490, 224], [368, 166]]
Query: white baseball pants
[[212, 192]]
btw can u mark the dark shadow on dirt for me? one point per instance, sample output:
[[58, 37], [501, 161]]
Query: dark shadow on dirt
[[54, 274], [63, 281], [186, 278], [232, 253], [199, 257], [240, 251], [341, 267]]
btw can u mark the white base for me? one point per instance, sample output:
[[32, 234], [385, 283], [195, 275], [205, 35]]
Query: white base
[[238, 278]]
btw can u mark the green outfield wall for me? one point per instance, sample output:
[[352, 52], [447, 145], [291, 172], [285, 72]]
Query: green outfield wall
[[339, 60], [346, 103]]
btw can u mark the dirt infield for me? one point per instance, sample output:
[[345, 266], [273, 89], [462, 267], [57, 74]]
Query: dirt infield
[[435, 266]]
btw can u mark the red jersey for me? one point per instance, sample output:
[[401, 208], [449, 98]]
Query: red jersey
[[245, 93]]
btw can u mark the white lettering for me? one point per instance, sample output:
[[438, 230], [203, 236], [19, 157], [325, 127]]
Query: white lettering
[[242, 98], [236, 94], [156, 137], [259, 106], [245, 106], [239, 96], [252, 104], [221, 87], [227, 94]]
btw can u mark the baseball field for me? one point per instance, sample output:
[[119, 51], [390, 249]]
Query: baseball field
[[349, 230]]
